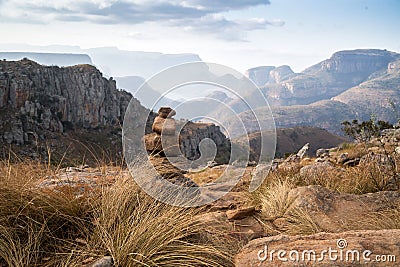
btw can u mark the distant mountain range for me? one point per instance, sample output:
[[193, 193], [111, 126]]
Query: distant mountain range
[[329, 78], [110, 60], [55, 59], [115, 62], [351, 84]]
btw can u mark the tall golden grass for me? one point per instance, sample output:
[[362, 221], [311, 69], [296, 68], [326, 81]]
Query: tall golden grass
[[68, 227]]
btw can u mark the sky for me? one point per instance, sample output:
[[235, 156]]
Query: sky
[[238, 33]]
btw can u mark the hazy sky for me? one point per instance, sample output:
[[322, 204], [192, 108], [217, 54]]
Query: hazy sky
[[237, 33]]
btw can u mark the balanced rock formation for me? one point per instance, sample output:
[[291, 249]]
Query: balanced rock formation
[[164, 139], [164, 123], [163, 142], [172, 139]]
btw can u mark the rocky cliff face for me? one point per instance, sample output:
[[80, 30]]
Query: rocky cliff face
[[394, 67], [193, 133], [268, 74], [40, 98], [350, 85], [259, 75], [279, 74], [358, 61], [326, 79]]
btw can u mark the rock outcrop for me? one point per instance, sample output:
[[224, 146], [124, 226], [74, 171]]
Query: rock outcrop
[[163, 143], [36, 98], [193, 133], [328, 78], [358, 61], [259, 75], [330, 209], [269, 74], [353, 248], [279, 74], [394, 67]]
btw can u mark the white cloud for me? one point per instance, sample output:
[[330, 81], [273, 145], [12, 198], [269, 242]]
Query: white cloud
[[223, 28], [194, 15]]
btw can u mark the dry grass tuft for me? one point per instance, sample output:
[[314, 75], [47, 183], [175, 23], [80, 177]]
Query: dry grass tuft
[[138, 231], [277, 208], [66, 227], [274, 199], [385, 219], [362, 179]]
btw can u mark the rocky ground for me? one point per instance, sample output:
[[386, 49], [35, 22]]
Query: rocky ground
[[345, 201]]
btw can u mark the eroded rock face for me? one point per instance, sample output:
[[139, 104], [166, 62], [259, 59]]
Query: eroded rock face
[[358, 248], [362, 60], [54, 99], [394, 67], [280, 73], [193, 133], [259, 75], [318, 169]]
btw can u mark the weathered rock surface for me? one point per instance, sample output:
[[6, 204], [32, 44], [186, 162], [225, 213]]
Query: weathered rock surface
[[242, 213], [164, 126], [106, 261], [341, 249], [193, 133], [36, 98], [331, 210], [318, 169], [280, 74], [243, 229], [81, 180], [166, 112], [165, 168], [259, 75]]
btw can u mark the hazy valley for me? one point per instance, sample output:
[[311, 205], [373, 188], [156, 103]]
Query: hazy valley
[[68, 199]]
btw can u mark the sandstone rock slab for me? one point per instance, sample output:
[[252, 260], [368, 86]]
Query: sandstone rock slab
[[352, 248]]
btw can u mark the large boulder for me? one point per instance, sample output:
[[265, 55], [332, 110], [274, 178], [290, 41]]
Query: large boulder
[[163, 145], [331, 210], [164, 126], [318, 169], [352, 248], [166, 112]]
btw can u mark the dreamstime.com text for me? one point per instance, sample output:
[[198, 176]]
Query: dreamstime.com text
[[340, 253]]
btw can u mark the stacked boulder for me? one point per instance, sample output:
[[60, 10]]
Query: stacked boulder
[[163, 140], [162, 143]]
